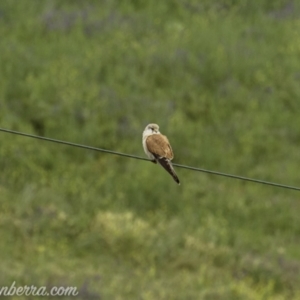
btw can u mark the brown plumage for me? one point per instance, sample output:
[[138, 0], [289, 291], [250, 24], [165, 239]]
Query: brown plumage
[[161, 149], [159, 144]]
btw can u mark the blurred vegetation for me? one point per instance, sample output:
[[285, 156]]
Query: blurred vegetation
[[220, 77]]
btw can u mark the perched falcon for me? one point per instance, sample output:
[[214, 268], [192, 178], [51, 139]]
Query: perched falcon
[[158, 149]]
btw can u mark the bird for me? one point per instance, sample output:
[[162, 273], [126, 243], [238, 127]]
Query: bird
[[158, 149]]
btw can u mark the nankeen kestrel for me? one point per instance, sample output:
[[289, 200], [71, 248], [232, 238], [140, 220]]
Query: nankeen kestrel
[[158, 149]]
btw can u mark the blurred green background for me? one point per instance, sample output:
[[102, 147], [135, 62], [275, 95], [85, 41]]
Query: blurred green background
[[220, 77]]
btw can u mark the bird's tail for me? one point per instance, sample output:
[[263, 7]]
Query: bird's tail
[[167, 165]]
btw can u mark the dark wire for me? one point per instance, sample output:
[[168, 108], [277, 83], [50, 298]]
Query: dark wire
[[142, 158]]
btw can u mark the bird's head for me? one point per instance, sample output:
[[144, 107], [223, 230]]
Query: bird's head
[[152, 129]]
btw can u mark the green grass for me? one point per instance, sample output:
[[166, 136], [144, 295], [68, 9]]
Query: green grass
[[221, 78]]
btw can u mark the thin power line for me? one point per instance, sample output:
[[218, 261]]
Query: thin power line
[[142, 158]]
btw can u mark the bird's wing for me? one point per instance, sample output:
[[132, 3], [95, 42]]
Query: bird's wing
[[159, 145]]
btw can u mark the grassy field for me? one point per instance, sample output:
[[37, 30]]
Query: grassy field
[[221, 78]]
